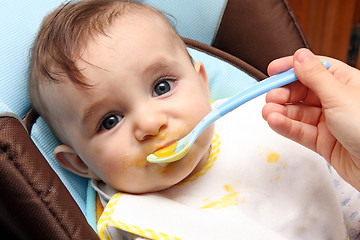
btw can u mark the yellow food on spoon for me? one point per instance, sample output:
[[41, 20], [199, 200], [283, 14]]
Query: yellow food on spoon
[[166, 151]]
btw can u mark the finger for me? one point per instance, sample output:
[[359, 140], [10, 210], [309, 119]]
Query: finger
[[278, 95], [302, 133], [280, 65], [341, 71], [269, 108], [299, 112], [293, 93], [313, 74], [303, 113]]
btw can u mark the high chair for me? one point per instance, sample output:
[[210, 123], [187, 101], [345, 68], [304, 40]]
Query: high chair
[[236, 40]]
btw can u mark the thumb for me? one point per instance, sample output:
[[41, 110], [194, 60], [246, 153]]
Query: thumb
[[313, 74]]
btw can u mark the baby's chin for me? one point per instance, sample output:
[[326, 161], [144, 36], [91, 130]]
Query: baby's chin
[[161, 176], [140, 189]]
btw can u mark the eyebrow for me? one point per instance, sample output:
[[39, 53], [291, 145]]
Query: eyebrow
[[159, 65], [93, 109]]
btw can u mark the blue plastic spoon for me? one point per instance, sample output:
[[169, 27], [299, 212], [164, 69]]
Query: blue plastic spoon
[[184, 144]]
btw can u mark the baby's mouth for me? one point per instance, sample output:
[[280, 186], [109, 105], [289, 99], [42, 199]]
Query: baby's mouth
[[168, 142], [166, 149]]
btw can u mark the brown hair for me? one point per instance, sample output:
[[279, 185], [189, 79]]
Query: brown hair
[[62, 38], [64, 33]]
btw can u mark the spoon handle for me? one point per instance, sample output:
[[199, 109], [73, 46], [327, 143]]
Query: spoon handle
[[258, 89], [246, 95]]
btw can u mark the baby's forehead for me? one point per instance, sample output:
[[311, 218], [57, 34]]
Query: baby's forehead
[[150, 18], [126, 31]]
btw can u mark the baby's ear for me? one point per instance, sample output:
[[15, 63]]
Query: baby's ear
[[200, 69], [68, 158]]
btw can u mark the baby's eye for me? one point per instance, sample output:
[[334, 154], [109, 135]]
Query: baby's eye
[[162, 87], [110, 121]]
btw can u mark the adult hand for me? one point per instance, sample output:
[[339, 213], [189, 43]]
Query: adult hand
[[321, 111]]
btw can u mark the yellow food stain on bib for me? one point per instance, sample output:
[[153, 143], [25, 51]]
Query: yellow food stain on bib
[[229, 188], [230, 199], [273, 157], [285, 165]]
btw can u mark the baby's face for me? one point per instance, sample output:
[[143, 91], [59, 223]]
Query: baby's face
[[146, 94]]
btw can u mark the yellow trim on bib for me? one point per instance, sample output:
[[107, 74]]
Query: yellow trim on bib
[[214, 152], [106, 220]]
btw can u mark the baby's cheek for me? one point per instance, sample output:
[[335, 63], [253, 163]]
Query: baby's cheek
[[109, 160], [137, 160], [207, 136], [203, 111]]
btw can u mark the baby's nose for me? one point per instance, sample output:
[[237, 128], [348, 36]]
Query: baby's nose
[[149, 124]]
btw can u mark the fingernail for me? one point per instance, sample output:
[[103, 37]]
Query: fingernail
[[305, 55]]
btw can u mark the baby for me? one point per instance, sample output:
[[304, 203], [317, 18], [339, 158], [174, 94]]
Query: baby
[[115, 83], [119, 85]]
